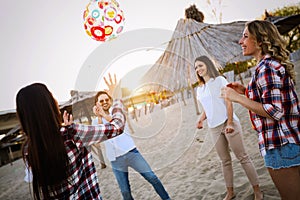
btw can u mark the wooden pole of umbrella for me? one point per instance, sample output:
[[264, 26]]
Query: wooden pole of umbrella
[[193, 91], [190, 84], [238, 69]]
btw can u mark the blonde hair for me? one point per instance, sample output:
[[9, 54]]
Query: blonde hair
[[272, 43]]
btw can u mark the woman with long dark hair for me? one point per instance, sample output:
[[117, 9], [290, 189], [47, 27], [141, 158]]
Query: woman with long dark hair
[[57, 154]]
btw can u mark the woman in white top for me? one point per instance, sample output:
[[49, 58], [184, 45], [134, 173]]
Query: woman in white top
[[223, 125]]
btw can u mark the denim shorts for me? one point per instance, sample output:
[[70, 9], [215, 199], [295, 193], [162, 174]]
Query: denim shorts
[[286, 156]]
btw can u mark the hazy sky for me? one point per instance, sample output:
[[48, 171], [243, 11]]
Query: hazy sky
[[44, 41]]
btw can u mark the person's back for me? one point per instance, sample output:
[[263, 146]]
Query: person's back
[[61, 165]]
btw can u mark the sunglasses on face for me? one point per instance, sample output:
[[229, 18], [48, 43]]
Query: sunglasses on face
[[102, 100], [198, 66]]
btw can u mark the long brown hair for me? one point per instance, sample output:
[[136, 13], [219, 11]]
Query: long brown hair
[[211, 69], [272, 43], [45, 153]]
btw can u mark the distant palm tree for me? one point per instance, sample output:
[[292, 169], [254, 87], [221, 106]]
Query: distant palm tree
[[216, 8]]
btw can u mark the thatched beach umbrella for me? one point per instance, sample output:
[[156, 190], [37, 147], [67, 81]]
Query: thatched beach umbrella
[[284, 24], [174, 69]]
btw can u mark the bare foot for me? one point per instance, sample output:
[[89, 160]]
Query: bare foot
[[229, 196], [258, 195]]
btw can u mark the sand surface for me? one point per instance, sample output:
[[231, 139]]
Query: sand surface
[[181, 156]]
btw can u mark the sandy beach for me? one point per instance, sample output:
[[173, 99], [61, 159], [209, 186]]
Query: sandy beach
[[181, 156]]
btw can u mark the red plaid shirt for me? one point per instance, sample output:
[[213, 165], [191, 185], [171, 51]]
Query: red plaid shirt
[[272, 86], [83, 182]]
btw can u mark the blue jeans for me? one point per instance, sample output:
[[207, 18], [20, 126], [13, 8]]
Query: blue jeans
[[136, 161]]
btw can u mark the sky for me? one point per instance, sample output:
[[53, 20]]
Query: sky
[[45, 41]]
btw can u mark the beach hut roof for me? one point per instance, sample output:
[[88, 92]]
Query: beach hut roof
[[8, 120], [80, 104], [174, 68], [80, 100], [286, 23], [78, 97]]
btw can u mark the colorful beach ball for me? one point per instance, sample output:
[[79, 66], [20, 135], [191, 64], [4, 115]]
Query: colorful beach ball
[[103, 19]]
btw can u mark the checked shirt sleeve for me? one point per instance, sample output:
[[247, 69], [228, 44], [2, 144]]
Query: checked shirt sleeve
[[270, 84], [88, 134]]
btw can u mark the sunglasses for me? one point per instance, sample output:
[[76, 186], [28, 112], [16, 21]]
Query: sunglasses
[[197, 66], [102, 100]]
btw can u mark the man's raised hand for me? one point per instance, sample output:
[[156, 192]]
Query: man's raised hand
[[114, 88]]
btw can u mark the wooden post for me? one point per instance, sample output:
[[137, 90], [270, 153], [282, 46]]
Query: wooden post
[[238, 69], [132, 104], [11, 156], [182, 96], [193, 92]]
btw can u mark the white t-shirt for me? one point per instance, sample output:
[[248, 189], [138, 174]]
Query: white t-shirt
[[213, 105], [118, 145]]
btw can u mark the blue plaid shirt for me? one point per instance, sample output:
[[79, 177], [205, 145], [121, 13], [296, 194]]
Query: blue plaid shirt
[[272, 86]]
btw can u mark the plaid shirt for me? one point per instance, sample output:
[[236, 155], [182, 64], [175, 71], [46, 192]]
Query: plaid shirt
[[272, 86], [83, 182]]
